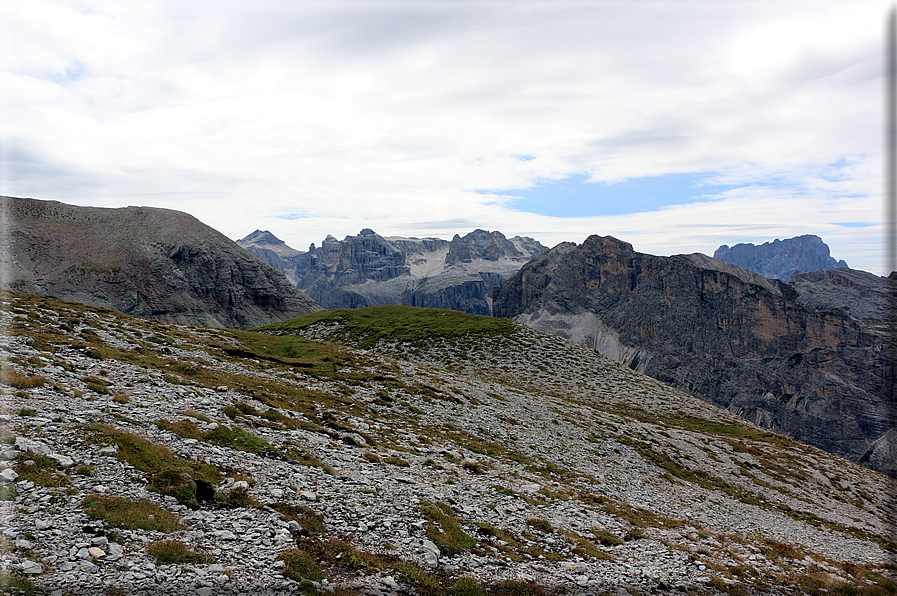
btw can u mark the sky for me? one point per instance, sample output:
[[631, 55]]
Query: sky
[[677, 126]]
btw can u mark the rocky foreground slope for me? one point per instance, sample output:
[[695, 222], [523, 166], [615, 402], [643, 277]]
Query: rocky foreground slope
[[780, 259], [478, 456], [727, 335], [370, 270], [142, 261]]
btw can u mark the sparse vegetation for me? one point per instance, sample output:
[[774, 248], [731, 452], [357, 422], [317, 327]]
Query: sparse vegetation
[[124, 513], [445, 529], [176, 552], [18, 381], [41, 470]]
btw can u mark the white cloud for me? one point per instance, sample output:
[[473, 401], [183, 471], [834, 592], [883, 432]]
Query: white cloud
[[390, 114]]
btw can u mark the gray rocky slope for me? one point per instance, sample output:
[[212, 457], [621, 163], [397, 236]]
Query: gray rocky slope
[[780, 259], [142, 261], [512, 460], [369, 269], [757, 347]]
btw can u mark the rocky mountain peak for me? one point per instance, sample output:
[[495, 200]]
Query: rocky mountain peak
[[261, 238], [780, 259], [606, 244], [480, 244]]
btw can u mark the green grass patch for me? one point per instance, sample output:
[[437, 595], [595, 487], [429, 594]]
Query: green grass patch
[[396, 461], [187, 480], [237, 438], [467, 586], [176, 552], [14, 379], [364, 327], [541, 525], [131, 515], [223, 436], [606, 538], [516, 587], [301, 564], [303, 457], [10, 583], [196, 415], [41, 471], [445, 529], [304, 516]]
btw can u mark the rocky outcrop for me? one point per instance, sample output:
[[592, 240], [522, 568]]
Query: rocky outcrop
[[141, 261], [780, 259], [815, 375], [860, 295], [372, 270]]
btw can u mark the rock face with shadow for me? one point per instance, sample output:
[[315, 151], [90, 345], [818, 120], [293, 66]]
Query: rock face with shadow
[[371, 270], [780, 259], [729, 336], [141, 261]]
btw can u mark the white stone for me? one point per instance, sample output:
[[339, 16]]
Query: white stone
[[430, 560], [8, 475], [31, 567], [32, 446], [63, 460]]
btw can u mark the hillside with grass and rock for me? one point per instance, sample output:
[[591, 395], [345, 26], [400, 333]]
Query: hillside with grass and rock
[[143, 261], [398, 450]]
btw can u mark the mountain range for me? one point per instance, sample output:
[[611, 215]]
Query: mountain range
[[809, 358], [371, 270]]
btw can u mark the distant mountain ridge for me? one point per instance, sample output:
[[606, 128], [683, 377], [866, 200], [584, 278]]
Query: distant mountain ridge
[[372, 270], [141, 261], [780, 259], [782, 355]]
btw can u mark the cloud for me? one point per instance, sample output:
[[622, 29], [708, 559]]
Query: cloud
[[389, 114]]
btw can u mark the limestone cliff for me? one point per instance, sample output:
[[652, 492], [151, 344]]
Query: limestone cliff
[[372, 270], [815, 375], [780, 259], [141, 261]]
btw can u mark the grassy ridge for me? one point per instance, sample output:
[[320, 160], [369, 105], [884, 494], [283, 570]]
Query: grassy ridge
[[364, 327]]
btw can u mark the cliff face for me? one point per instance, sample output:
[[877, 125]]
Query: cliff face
[[780, 259], [815, 375], [141, 261], [371, 270]]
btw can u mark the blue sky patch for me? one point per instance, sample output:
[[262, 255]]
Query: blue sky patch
[[575, 197], [856, 224]]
